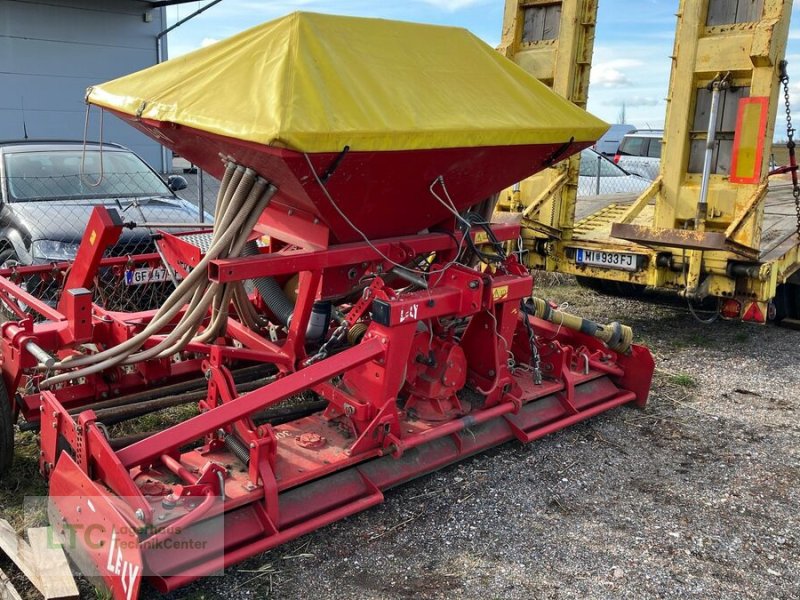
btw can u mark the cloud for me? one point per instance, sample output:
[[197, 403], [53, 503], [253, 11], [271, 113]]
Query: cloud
[[631, 101], [451, 5], [207, 41], [611, 73]]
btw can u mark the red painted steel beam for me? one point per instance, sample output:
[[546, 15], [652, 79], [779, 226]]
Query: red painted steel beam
[[300, 506], [112, 261], [162, 442], [34, 304], [102, 230], [398, 249]]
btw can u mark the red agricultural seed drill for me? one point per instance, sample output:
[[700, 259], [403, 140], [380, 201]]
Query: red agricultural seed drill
[[352, 321]]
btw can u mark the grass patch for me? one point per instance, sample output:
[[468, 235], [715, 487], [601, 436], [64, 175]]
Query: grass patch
[[102, 594], [683, 380], [23, 480], [701, 339]]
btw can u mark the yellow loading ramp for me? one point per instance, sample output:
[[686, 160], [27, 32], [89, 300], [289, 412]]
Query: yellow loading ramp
[[739, 245], [554, 42]]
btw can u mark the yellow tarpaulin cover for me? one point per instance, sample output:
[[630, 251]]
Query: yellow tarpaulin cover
[[316, 83]]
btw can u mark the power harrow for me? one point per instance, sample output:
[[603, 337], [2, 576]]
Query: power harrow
[[351, 321]]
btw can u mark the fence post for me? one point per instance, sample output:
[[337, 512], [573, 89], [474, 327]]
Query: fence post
[[597, 183], [201, 192]]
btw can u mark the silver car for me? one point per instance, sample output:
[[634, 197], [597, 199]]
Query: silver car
[[599, 176], [640, 152]]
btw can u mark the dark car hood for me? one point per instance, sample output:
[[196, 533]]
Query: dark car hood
[[65, 220]]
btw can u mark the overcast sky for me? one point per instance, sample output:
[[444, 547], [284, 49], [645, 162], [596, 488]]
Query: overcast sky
[[631, 59]]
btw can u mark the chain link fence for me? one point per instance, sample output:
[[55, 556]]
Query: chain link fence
[[201, 188], [49, 200], [600, 175]]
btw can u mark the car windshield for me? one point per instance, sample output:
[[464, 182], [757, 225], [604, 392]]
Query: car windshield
[[57, 174]]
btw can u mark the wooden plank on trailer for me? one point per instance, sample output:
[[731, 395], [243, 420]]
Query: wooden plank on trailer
[[7, 589], [55, 574], [19, 552]]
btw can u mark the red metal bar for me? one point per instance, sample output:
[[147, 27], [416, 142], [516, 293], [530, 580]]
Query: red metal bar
[[240, 554], [382, 473], [455, 426], [33, 303], [540, 432], [77, 306], [252, 340], [196, 427], [399, 249], [178, 469], [112, 261], [103, 230], [12, 306]]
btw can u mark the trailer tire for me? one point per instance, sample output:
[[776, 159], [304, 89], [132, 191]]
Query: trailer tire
[[787, 302], [7, 418]]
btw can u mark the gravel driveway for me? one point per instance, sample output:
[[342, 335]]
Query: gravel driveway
[[695, 496]]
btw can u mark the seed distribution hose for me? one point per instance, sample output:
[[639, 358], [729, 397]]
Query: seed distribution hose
[[243, 196]]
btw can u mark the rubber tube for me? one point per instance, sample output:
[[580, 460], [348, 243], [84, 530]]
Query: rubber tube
[[240, 204], [187, 328], [271, 291], [169, 309]]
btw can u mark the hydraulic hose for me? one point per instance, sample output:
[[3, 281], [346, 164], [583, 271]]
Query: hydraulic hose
[[242, 197], [616, 336], [271, 291], [179, 296], [194, 316]]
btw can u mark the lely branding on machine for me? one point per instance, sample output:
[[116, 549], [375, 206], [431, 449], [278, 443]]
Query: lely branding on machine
[[610, 260], [123, 568], [114, 551], [409, 313]]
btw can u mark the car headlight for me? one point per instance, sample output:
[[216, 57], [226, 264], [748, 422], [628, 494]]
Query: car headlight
[[44, 251]]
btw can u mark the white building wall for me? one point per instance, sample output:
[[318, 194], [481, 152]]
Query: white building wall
[[52, 50]]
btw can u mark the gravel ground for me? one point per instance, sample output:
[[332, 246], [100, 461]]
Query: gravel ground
[[694, 496]]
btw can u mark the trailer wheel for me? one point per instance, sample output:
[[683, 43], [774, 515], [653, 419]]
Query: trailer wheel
[[6, 430], [787, 302]]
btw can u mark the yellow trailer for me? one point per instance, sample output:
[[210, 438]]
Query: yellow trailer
[[711, 225]]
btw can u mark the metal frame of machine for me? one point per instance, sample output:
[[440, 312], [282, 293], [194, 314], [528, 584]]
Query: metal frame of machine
[[700, 236], [352, 319], [270, 483]]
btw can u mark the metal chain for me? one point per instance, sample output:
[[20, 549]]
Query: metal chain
[[784, 78], [337, 336]]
